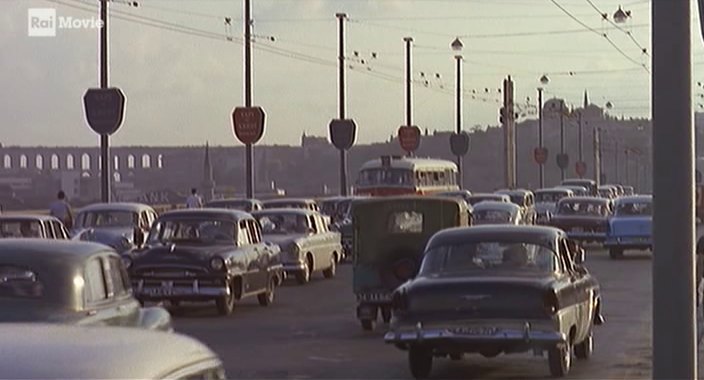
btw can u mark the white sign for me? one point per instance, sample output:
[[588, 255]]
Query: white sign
[[43, 22]]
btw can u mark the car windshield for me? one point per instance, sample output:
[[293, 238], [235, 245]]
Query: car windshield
[[548, 197], [20, 229], [234, 205], [385, 176], [583, 208], [283, 223], [285, 205], [494, 216], [16, 282], [476, 199], [490, 257], [634, 209], [192, 230], [107, 218]]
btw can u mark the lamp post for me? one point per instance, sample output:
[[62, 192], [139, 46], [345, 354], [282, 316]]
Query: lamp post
[[457, 48], [544, 80]]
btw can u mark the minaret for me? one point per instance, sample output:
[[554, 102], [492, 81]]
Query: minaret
[[208, 183], [586, 99]]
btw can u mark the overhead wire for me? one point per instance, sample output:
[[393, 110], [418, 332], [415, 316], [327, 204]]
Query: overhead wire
[[626, 32]]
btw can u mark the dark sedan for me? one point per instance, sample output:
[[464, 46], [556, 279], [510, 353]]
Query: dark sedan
[[585, 219], [497, 289], [70, 282]]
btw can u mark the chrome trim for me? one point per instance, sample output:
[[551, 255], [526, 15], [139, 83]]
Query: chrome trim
[[525, 334]]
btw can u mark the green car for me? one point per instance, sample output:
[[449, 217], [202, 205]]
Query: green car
[[389, 237]]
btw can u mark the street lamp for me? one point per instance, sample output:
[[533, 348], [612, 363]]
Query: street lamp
[[544, 80], [458, 149]]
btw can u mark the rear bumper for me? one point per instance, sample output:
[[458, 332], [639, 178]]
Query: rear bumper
[[633, 242], [587, 236]]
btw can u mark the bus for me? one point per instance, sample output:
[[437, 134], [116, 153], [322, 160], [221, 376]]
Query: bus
[[396, 175]]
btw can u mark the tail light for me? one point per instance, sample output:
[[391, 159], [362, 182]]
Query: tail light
[[551, 303], [399, 300]]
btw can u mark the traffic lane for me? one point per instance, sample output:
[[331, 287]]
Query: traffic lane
[[311, 332]]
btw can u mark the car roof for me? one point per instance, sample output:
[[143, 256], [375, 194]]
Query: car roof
[[634, 198], [561, 190], [513, 191], [484, 195], [578, 180], [496, 232], [71, 352], [493, 205], [299, 211], [29, 217], [37, 250], [239, 200], [585, 199], [119, 206], [289, 200], [411, 197], [571, 187], [233, 215]]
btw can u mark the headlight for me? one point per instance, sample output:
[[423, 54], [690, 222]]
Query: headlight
[[295, 251], [127, 262], [217, 263]]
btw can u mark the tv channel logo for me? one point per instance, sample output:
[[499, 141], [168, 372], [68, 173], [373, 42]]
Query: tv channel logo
[[41, 22]]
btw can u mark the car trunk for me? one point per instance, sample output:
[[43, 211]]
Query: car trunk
[[631, 226], [581, 223]]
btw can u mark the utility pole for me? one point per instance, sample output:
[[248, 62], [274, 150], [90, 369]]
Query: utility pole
[[106, 163], [342, 17], [562, 135], [541, 166], [249, 148], [628, 174], [580, 134], [597, 156], [674, 332], [458, 106], [616, 171], [409, 81], [507, 118]]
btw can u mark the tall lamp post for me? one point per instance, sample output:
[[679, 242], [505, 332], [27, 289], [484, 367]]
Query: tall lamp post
[[457, 48], [541, 153]]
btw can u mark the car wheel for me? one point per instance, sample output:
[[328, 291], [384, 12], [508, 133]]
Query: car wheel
[[585, 349], [615, 253], [420, 360], [386, 314], [226, 304], [267, 298], [367, 324], [330, 272], [560, 360], [303, 277]]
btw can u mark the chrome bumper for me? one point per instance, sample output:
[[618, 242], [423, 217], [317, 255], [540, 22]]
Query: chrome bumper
[[294, 267], [165, 291], [628, 241], [476, 336]]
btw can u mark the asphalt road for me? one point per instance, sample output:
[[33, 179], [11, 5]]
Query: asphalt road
[[311, 332]]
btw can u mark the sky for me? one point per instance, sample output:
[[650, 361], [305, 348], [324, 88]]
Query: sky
[[180, 65]]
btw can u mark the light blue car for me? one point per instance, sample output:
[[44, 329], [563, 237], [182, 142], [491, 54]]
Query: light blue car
[[631, 225]]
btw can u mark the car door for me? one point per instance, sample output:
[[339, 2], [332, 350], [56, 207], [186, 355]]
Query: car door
[[261, 255], [119, 292], [98, 307], [580, 290], [251, 278], [329, 240]]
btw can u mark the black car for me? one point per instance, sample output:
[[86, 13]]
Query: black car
[[497, 289], [70, 282], [206, 255]]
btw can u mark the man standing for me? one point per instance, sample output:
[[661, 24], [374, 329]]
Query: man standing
[[61, 209], [194, 200]]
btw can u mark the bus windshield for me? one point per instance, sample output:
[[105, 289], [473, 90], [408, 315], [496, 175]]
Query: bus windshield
[[386, 176]]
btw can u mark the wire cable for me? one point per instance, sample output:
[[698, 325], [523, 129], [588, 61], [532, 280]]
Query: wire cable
[[626, 32]]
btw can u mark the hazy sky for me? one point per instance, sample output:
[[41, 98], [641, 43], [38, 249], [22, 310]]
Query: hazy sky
[[182, 77]]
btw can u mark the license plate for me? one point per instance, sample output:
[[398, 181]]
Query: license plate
[[159, 291], [473, 330]]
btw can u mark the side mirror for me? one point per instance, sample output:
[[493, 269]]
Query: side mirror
[[139, 237]]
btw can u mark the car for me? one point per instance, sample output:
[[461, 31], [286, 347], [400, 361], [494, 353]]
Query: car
[[48, 351], [390, 234], [628, 190], [490, 212], [631, 225], [205, 255], [546, 202], [304, 203], [584, 219], [497, 289], [589, 184], [608, 191], [462, 194], [32, 226], [620, 189], [107, 223], [523, 198], [579, 191], [481, 197], [242, 204], [307, 245], [70, 282]]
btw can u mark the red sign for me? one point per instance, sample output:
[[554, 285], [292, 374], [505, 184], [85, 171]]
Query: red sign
[[540, 155], [581, 168], [248, 123], [409, 137]]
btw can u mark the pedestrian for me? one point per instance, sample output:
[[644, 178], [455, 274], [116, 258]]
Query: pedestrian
[[194, 200], [61, 209]]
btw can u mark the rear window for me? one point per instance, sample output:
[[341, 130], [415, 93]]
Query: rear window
[[499, 216], [405, 222], [17, 282], [634, 209], [583, 208], [20, 229]]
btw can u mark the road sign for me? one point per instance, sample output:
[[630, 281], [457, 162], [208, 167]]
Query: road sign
[[409, 137], [343, 133], [459, 143], [563, 160], [540, 155], [581, 168], [104, 109], [248, 124]]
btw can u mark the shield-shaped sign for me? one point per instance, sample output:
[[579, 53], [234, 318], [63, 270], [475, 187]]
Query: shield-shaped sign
[[540, 155], [563, 160], [459, 143], [248, 123], [105, 109], [409, 137], [343, 133], [581, 168]]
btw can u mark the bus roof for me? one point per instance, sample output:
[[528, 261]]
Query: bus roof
[[411, 163]]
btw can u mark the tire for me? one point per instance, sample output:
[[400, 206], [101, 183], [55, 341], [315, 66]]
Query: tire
[[226, 304], [615, 253], [267, 298], [303, 277], [420, 361], [386, 314], [585, 349], [560, 360], [330, 272], [367, 324]]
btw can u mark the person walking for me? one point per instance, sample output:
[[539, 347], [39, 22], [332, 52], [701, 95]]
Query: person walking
[[61, 209], [194, 200]]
